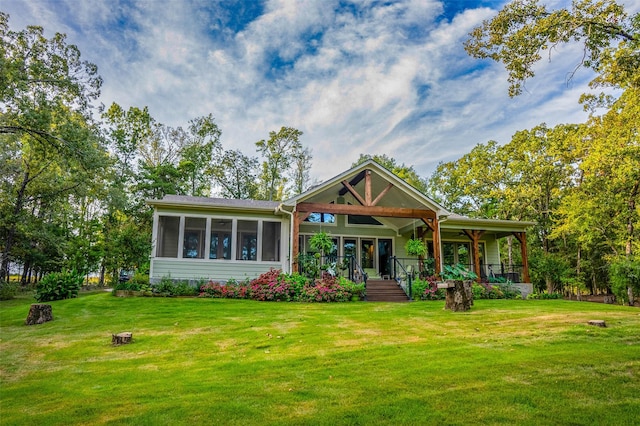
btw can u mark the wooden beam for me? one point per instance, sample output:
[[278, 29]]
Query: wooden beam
[[436, 243], [356, 180], [382, 194], [474, 236], [367, 188], [353, 192], [367, 210], [522, 239]]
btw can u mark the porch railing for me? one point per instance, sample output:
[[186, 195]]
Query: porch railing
[[488, 271], [344, 266], [403, 272]]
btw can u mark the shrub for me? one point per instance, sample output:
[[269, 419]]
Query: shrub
[[128, 286], [58, 286], [297, 283], [426, 289], [457, 272], [325, 289], [624, 275], [140, 278], [169, 288], [356, 290], [272, 286], [229, 290], [8, 290], [544, 295]]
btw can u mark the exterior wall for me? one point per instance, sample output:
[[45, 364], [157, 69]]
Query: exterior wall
[[199, 269], [217, 269]]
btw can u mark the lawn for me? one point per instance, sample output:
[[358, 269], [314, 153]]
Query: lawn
[[211, 361]]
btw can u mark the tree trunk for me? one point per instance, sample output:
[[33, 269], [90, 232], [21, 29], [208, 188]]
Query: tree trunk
[[459, 298], [39, 313], [121, 338], [11, 231]]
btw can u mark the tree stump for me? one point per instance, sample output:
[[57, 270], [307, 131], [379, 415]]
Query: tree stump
[[459, 297], [39, 313], [121, 338]]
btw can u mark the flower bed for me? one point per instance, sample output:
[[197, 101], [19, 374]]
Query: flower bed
[[278, 286]]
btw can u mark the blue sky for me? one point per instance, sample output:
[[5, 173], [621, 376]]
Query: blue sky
[[375, 77]]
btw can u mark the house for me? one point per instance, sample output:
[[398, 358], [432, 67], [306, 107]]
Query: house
[[368, 211]]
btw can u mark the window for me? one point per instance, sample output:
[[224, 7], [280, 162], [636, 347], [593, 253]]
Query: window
[[367, 253], [349, 247], [220, 247], [247, 240], [362, 220], [321, 218], [271, 241], [193, 242], [168, 230], [454, 253]]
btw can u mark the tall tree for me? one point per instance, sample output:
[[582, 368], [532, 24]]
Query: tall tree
[[198, 154], [301, 172], [279, 152], [236, 175], [602, 207], [46, 126]]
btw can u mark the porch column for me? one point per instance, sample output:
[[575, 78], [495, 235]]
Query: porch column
[[295, 242], [432, 223], [474, 236], [522, 239]]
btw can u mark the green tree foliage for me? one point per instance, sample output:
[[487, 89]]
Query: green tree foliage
[[473, 185], [404, 172], [236, 175], [48, 140], [279, 153], [580, 183], [524, 30]]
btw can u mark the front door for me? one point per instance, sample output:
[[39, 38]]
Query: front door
[[385, 250]]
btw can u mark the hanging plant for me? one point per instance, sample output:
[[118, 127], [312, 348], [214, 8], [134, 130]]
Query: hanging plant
[[322, 242], [415, 247]]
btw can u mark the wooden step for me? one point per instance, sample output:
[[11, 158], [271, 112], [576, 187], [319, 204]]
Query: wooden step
[[385, 291]]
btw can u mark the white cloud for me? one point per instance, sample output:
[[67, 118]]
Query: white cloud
[[386, 79]]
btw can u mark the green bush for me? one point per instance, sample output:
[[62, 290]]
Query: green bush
[[297, 282], [356, 290], [168, 287], [8, 290], [426, 289], [624, 274], [544, 296], [128, 286], [58, 286], [140, 278]]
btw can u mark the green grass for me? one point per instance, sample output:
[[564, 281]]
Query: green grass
[[206, 361]]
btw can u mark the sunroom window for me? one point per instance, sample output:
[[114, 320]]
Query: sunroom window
[[194, 234], [247, 240], [168, 232], [220, 247], [271, 241]]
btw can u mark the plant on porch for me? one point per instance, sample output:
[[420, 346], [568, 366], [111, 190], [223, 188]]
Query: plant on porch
[[415, 247]]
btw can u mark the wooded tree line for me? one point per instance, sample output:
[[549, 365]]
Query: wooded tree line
[[579, 182], [74, 178]]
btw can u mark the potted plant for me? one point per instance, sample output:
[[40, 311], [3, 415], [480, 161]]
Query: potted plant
[[458, 281], [415, 247], [322, 242]]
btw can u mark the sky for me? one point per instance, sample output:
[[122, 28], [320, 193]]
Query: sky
[[356, 77]]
